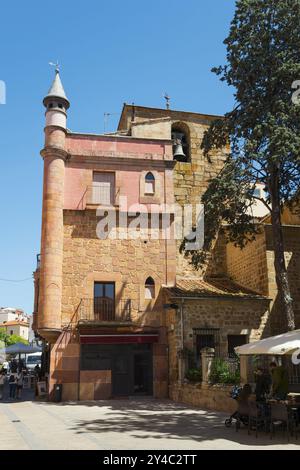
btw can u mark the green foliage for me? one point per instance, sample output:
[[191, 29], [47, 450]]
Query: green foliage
[[194, 375], [8, 340], [263, 61], [221, 373], [260, 137]]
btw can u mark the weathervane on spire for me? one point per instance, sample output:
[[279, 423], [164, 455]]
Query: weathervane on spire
[[167, 98], [56, 65]]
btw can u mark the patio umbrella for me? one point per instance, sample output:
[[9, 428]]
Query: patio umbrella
[[279, 345], [20, 348]]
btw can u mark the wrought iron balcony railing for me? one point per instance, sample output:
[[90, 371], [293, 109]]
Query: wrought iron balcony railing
[[104, 310]]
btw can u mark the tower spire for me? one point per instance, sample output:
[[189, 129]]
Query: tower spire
[[56, 90]]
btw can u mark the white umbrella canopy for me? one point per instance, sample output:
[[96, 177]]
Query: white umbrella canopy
[[20, 348], [279, 345]]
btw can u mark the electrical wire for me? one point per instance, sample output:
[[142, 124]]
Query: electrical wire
[[16, 280]]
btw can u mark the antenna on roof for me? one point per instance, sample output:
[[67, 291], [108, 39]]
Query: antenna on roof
[[106, 118], [167, 98]]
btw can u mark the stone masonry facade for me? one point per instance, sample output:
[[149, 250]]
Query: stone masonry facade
[[74, 258]]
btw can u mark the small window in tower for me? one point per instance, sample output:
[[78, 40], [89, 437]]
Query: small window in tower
[[50, 105], [60, 106], [149, 288], [149, 183]]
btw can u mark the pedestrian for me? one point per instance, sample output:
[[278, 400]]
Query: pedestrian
[[12, 385], [5, 366], [19, 382], [2, 382], [37, 371]]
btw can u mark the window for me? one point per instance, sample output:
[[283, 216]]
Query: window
[[96, 357], [149, 288], [11, 332], [206, 338], [204, 341], [103, 190], [104, 301], [149, 183], [234, 341]]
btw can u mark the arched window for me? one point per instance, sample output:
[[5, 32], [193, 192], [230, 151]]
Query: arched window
[[149, 183], [149, 288], [181, 142]]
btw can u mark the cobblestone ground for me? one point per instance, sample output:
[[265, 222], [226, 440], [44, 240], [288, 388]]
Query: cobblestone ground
[[122, 424]]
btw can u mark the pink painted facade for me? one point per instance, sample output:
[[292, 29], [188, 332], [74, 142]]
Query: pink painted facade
[[128, 159]]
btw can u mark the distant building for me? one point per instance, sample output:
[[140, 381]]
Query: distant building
[[15, 322], [19, 328]]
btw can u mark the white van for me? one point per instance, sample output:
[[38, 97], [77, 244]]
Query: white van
[[33, 360]]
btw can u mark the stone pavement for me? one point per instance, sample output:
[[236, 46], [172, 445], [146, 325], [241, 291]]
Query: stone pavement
[[123, 424]]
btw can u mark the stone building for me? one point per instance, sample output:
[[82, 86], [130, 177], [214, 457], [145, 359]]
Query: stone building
[[99, 302], [214, 308], [119, 312]]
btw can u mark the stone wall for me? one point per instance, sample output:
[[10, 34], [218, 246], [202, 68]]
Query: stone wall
[[253, 267], [64, 366], [191, 178], [209, 397], [248, 267], [128, 263], [292, 257], [231, 316]]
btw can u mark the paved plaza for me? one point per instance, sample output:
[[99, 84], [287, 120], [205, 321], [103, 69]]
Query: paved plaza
[[124, 425]]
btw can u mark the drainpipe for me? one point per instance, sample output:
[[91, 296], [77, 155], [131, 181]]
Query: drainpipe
[[181, 369]]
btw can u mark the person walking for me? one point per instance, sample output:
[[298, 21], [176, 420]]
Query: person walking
[[19, 384], [2, 382], [12, 385]]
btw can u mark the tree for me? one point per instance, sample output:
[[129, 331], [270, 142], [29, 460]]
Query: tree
[[263, 64]]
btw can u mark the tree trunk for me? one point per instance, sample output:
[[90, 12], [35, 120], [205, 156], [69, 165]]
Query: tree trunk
[[279, 260]]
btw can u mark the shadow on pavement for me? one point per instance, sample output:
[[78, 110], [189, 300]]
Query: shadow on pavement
[[164, 419]]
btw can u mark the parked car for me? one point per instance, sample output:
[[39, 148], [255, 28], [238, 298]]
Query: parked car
[[32, 360]]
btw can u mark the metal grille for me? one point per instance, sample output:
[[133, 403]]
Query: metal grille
[[206, 337], [293, 370], [104, 309]]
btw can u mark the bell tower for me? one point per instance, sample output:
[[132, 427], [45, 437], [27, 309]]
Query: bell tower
[[54, 156]]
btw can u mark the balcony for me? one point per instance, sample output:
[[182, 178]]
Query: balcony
[[104, 310], [98, 195]]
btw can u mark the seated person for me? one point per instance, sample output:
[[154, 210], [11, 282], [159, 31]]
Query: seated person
[[243, 400], [280, 381], [263, 385]]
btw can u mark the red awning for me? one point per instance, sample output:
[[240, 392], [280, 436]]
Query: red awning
[[118, 339]]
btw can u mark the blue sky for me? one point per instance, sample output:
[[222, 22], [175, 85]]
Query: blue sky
[[110, 52]]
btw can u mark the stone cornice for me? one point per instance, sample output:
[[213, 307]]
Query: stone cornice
[[56, 152], [53, 127], [121, 159]]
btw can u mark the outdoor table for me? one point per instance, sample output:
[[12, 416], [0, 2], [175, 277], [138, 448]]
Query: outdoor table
[[293, 407]]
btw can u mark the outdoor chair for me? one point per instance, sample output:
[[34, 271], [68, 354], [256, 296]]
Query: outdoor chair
[[256, 418], [282, 417]]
